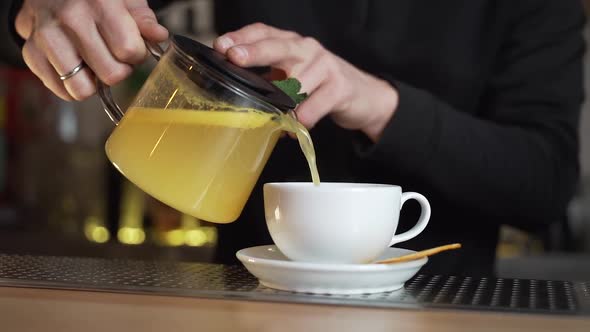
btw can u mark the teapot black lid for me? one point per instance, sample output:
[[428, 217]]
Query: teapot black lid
[[243, 78]]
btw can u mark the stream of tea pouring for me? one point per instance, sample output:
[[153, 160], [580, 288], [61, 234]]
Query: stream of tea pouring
[[291, 124]]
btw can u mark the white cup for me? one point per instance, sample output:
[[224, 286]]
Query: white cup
[[337, 222]]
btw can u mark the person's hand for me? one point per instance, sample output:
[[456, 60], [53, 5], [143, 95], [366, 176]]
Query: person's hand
[[353, 98], [105, 34]]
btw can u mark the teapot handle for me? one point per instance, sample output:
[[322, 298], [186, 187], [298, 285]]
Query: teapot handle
[[104, 92]]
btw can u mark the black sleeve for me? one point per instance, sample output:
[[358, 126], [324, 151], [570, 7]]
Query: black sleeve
[[17, 5], [518, 158]]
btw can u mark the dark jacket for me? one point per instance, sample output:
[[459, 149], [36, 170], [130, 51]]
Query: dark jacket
[[487, 126], [490, 94]]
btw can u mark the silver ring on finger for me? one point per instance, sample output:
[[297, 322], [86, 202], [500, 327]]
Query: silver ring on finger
[[73, 72]]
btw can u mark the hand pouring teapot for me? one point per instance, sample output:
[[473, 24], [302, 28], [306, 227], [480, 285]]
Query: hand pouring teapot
[[198, 133]]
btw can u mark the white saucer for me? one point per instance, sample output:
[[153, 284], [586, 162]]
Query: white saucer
[[274, 270]]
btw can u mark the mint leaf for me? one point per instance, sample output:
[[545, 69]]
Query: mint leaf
[[291, 86]]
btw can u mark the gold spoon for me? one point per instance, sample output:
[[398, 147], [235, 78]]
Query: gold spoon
[[419, 254]]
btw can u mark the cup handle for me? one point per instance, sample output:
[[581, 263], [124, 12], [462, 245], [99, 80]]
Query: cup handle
[[422, 221], [104, 92]]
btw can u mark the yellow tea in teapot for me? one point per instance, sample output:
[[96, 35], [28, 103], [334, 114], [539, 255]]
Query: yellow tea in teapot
[[201, 162]]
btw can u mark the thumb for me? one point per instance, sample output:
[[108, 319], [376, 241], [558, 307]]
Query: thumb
[[147, 23]]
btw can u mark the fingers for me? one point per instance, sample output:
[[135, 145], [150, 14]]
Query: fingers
[[322, 75], [40, 66], [313, 74], [351, 97], [316, 106], [24, 22], [334, 96], [262, 45], [146, 21], [63, 56], [274, 51], [250, 34], [79, 26], [300, 58], [121, 33], [267, 52], [106, 35]]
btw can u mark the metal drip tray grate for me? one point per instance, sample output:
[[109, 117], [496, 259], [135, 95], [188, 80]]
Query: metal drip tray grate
[[220, 281]]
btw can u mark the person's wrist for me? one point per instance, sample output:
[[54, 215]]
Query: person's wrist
[[385, 105]]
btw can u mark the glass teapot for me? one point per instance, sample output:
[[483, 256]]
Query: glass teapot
[[198, 133]]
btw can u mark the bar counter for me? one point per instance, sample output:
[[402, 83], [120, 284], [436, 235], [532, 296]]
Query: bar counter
[[40, 293]]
